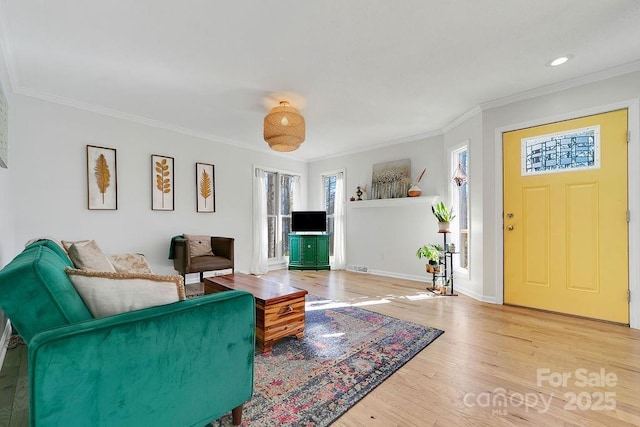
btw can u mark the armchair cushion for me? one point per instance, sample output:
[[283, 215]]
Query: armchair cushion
[[108, 293], [184, 261], [199, 245]]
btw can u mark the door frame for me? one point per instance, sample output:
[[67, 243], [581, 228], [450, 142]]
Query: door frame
[[633, 161]]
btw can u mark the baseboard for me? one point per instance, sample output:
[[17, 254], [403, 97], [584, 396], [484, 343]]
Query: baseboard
[[4, 341], [395, 275], [457, 288], [475, 295]]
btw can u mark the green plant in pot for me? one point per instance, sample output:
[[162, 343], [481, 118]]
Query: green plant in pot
[[443, 214], [432, 253]]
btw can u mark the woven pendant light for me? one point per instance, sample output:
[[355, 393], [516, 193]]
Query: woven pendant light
[[284, 128]]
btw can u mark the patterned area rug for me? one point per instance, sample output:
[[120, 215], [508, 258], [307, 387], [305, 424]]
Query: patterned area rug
[[346, 353]]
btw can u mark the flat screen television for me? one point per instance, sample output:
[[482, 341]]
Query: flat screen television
[[308, 221]]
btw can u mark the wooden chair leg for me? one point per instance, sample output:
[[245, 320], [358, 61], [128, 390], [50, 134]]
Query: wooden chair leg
[[236, 415]]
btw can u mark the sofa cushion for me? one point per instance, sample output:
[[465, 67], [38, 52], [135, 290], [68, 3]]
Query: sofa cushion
[[130, 263], [66, 244], [199, 245], [109, 293], [89, 256], [36, 294]]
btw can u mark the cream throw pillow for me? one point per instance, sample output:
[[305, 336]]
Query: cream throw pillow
[[88, 256], [106, 293], [130, 263], [199, 245], [66, 244]]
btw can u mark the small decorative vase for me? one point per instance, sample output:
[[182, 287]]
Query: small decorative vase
[[443, 227], [414, 191]]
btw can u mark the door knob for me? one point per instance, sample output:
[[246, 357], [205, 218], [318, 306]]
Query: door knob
[[509, 227]]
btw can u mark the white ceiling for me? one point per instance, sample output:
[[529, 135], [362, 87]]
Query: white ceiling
[[363, 72]]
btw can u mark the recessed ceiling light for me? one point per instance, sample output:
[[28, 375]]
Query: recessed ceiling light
[[559, 60]]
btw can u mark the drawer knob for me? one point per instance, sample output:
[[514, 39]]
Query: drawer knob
[[308, 246], [286, 309]]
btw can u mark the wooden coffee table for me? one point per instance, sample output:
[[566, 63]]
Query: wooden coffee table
[[279, 308]]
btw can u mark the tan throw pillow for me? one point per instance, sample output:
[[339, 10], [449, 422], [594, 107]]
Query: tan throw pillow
[[199, 245], [88, 256], [106, 293], [66, 244], [130, 263]]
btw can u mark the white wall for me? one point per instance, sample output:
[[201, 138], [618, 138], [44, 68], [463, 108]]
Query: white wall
[[386, 239], [6, 217], [49, 183]]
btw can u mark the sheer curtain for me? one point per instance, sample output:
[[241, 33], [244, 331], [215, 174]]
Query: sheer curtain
[[338, 225], [297, 193], [259, 264]]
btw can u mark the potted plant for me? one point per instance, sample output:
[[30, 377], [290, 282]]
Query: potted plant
[[444, 216], [432, 253]]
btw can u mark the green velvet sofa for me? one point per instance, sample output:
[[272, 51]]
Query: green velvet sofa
[[181, 364]]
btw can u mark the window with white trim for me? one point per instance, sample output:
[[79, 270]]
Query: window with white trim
[[460, 197], [280, 196], [329, 196]]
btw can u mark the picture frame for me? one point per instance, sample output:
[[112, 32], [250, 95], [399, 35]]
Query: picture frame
[[205, 188], [102, 178], [162, 183]]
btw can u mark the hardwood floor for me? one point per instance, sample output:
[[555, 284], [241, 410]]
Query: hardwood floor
[[486, 351], [489, 355]]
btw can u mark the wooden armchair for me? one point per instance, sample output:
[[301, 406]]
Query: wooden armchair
[[222, 258]]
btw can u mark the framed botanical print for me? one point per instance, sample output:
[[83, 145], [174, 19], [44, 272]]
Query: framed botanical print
[[206, 187], [162, 187], [102, 178]]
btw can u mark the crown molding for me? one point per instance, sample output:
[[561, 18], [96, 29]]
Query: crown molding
[[620, 70], [97, 109], [462, 118], [563, 85], [412, 138]]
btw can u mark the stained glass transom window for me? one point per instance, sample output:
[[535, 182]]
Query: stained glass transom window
[[561, 152]]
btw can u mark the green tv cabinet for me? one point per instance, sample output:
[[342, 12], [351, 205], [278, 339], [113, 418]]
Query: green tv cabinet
[[309, 251]]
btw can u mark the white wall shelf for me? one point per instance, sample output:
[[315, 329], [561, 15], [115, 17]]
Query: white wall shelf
[[389, 203]]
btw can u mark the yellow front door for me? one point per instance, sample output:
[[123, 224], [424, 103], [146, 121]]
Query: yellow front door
[[565, 217]]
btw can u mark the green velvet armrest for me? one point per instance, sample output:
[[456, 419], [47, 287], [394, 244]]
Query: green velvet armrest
[[183, 364]]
